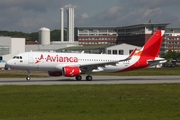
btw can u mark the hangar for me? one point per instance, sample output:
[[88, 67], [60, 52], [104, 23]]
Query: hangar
[[9, 47], [121, 49]]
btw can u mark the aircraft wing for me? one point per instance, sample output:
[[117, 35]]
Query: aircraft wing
[[111, 62], [90, 67], [129, 57]]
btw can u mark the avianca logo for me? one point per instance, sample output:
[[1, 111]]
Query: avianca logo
[[39, 60], [72, 73], [57, 59]]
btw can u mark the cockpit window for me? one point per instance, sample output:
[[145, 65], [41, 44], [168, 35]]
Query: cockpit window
[[14, 57], [17, 57]]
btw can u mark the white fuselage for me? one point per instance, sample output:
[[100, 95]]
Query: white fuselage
[[50, 61]]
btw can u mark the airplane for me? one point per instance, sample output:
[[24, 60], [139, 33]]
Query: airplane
[[75, 64]]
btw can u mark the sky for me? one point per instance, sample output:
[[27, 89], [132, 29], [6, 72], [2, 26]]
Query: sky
[[31, 15]]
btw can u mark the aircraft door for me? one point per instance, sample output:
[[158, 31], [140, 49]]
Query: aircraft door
[[31, 61], [30, 58]]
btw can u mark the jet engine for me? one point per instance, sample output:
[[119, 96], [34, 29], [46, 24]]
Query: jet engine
[[55, 73], [71, 71]]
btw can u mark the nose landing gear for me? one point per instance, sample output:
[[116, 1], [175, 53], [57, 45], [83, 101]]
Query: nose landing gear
[[28, 78]]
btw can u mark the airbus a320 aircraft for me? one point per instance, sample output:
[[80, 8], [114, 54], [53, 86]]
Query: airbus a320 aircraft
[[75, 64]]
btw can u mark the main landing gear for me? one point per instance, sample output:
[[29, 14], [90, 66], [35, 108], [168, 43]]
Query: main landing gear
[[28, 78], [88, 78], [78, 78]]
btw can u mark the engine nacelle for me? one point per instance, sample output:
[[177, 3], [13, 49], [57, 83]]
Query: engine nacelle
[[71, 71], [55, 73]]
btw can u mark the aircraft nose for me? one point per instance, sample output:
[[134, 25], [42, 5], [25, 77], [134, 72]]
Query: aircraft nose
[[9, 63]]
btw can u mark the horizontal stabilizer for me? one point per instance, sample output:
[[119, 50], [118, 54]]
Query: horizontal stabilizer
[[156, 61]]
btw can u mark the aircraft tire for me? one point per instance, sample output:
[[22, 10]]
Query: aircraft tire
[[89, 78], [79, 78], [28, 78]]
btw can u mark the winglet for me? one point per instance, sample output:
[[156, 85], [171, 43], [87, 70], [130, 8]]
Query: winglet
[[130, 56], [132, 53]]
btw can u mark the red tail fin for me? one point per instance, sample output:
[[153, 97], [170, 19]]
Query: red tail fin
[[153, 45]]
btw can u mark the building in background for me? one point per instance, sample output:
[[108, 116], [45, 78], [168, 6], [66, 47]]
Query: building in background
[[70, 24], [10, 47], [62, 24], [95, 36], [139, 34], [136, 35], [44, 36], [121, 49], [172, 39]]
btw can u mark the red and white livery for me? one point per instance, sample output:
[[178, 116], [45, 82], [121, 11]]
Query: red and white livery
[[75, 64]]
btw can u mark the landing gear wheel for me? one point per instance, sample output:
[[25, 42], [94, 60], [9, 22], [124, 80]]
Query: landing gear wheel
[[88, 78], [78, 78], [28, 78]]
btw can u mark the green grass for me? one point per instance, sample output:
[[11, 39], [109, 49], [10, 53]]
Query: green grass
[[90, 102]]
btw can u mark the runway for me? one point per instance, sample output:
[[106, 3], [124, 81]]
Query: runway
[[96, 80]]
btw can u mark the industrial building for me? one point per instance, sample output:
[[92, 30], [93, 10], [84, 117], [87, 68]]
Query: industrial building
[[135, 34], [121, 49], [88, 36], [10, 47], [44, 36], [70, 25], [172, 39], [44, 43]]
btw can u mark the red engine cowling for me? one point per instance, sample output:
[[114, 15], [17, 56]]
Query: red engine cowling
[[71, 71], [55, 73]]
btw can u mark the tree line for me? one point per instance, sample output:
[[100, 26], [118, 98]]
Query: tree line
[[171, 54], [34, 36]]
